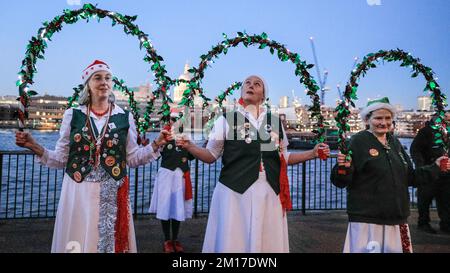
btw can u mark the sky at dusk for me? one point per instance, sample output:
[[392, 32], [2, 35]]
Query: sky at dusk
[[181, 31]]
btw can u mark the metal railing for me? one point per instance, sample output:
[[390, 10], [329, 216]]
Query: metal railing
[[30, 190]]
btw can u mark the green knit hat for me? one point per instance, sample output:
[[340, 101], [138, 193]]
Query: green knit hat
[[377, 104]]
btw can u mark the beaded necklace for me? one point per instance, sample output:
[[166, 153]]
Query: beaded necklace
[[97, 140], [99, 114]]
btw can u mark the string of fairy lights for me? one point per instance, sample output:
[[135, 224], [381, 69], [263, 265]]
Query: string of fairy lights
[[37, 45]]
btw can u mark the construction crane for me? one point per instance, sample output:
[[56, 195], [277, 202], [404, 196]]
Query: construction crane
[[296, 101], [325, 76], [339, 84]]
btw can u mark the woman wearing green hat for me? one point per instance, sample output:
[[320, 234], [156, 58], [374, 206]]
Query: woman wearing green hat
[[377, 179]]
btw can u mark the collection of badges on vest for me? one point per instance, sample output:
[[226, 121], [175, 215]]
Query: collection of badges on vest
[[82, 149]]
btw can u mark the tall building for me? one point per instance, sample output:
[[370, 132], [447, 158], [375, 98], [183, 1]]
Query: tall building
[[46, 112], [284, 102], [424, 103], [8, 111], [178, 90], [141, 94]]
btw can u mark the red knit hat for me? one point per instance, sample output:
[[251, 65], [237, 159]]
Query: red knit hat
[[94, 67]]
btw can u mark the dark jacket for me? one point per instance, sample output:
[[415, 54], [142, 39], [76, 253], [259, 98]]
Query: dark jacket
[[424, 151], [377, 183]]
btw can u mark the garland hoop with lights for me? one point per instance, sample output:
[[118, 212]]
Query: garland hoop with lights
[[407, 60], [229, 91], [284, 54], [37, 45]]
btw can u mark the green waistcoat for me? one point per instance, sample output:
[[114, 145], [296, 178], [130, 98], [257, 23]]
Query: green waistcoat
[[242, 160], [112, 152], [174, 157]]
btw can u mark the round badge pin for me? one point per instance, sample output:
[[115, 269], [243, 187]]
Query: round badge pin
[[110, 161], [77, 137], [373, 152], [116, 171], [77, 177]]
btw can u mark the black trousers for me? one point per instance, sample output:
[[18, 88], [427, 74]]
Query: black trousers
[[425, 195]]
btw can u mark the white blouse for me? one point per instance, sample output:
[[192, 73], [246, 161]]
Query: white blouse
[[135, 155], [220, 130]]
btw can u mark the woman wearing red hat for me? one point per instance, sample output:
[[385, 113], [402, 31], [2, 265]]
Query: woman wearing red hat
[[377, 178], [97, 142], [249, 203], [172, 191]]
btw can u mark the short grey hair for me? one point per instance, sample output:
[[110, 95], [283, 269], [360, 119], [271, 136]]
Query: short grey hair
[[85, 95]]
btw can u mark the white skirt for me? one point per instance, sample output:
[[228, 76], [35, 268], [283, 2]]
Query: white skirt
[[252, 222], [77, 219], [373, 238], [168, 196]]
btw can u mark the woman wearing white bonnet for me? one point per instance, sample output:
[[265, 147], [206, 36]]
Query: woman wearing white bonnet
[[249, 203]]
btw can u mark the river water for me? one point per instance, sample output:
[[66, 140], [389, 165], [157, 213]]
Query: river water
[[30, 190], [49, 138]]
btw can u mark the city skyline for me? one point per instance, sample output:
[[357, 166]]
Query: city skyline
[[342, 30]]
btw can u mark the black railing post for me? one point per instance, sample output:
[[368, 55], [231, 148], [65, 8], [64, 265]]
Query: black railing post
[[135, 192], [304, 188], [1, 176], [15, 185], [196, 188], [1, 169]]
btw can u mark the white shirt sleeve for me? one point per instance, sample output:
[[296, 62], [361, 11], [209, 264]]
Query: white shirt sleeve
[[284, 144], [217, 136], [136, 155], [58, 158]]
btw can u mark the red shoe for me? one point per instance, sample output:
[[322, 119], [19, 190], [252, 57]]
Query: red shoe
[[168, 247], [178, 247]]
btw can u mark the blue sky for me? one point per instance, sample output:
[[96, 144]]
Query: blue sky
[[183, 30]]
